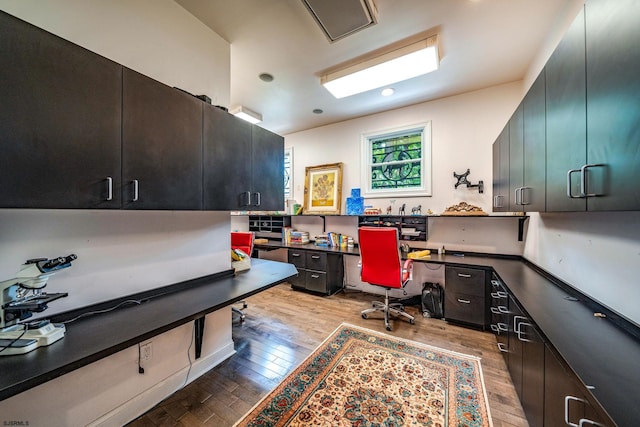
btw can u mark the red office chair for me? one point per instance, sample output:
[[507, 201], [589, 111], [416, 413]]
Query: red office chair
[[242, 240], [381, 265]]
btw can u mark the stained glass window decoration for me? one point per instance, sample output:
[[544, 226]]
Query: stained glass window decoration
[[397, 162]]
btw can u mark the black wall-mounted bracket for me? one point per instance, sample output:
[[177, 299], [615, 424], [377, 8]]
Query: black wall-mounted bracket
[[462, 180]]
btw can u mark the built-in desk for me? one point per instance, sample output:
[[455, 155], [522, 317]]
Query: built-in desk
[[92, 338]]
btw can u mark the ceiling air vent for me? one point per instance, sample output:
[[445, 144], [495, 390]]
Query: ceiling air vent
[[340, 18]]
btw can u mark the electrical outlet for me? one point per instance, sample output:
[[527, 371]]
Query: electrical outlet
[[146, 352]]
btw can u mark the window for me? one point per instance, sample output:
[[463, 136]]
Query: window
[[397, 162], [288, 173]]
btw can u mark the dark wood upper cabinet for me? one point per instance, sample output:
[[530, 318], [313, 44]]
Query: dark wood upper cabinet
[[516, 159], [267, 169], [161, 146], [566, 120], [243, 164], [532, 195], [613, 113], [60, 121], [227, 160], [501, 171]]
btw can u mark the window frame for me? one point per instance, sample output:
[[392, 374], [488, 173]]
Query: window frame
[[424, 189]]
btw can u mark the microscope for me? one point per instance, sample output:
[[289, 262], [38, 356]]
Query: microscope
[[22, 296]]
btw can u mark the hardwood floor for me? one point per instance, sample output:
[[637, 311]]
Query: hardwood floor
[[283, 326]]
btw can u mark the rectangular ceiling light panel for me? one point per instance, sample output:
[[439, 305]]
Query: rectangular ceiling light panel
[[401, 64], [340, 18]]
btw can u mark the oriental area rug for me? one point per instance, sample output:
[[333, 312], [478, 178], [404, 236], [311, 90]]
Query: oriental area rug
[[359, 377]]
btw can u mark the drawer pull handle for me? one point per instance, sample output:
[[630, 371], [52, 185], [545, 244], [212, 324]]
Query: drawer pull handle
[[494, 328], [295, 255], [466, 276], [315, 256], [498, 295], [503, 327], [585, 421], [567, 399], [109, 188], [495, 310], [464, 301], [315, 276], [503, 309], [502, 348]]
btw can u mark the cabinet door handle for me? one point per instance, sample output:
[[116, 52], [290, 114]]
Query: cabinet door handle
[[466, 276], [464, 301], [522, 193], [515, 195], [109, 188], [585, 421], [314, 276], [583, 181], [248, 193], [520, 332], [257, 198], [136, 189], [569, 194], [567, 399], [502, 348]]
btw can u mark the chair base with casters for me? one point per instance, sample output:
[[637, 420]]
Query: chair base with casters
[[394, 308], [239, 311]]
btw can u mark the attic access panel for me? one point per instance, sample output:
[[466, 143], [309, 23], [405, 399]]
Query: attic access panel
[[340, 18]]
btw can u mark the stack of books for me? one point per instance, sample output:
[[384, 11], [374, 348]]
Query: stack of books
[[332, 239], [299, 237]]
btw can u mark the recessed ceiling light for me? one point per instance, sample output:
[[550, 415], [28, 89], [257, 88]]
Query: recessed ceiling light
[[317, 111], [387, 91], [266, 77]]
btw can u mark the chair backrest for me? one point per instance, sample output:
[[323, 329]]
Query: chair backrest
[[380, 259], [242, 240]]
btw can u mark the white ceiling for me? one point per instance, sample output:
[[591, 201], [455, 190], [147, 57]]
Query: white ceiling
[[482, 43]]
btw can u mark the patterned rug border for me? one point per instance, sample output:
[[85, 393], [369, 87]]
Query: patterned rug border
[[473, 358]]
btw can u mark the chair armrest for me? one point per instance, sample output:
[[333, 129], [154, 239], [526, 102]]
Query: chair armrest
[[407, 271]]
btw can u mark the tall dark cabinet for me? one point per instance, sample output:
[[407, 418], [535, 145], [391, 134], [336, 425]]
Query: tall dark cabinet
[[613, 116], [532, 194], [566, 120], [243, 164], [60, 120], [516, 159], [161, 146], [501, 172]]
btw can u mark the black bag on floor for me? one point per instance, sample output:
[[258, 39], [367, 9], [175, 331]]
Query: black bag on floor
[[432, 300]]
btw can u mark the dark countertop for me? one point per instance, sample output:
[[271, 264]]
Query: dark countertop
[[92, 338], [601, 353]]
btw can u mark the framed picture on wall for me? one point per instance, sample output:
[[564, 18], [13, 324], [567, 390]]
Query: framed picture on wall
[[323, 189]]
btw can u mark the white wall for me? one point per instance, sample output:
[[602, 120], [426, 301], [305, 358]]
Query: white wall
[[122, 252], [464, 128]]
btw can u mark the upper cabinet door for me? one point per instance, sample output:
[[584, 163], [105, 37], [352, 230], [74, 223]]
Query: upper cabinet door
[[227, 161], [532, 195], [613, 99], [268, 169], [566, 120], [501, 171], [60, 118], [161, 146], [516, 160]]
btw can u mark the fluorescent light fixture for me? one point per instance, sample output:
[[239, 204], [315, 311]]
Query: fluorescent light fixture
[[246, 114], [397, 65]]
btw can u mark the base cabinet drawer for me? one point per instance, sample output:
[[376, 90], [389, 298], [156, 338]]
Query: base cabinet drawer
[[317, 271], [464, 308]]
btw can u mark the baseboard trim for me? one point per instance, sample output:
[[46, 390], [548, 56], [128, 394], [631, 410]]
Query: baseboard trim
[[146, 400]]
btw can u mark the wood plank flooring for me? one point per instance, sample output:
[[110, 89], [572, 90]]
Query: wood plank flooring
[[283, 326]]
